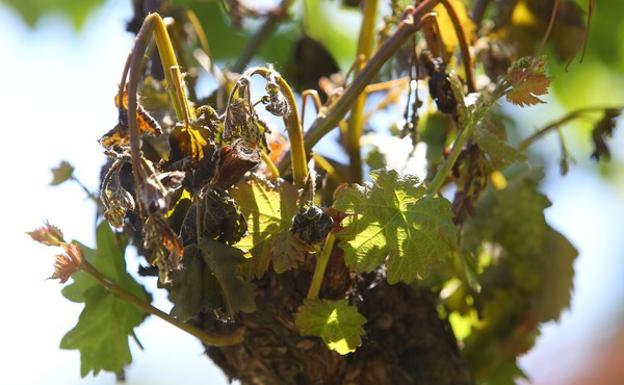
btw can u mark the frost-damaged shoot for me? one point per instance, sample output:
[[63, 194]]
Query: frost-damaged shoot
[[293, 267]]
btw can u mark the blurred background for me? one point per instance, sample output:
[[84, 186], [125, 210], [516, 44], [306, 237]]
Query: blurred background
[[60, 62]]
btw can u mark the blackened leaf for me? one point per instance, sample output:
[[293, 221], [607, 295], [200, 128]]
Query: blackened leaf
[[603, 130], [61, 173], [238, 294], [393, 218], [106, 321], [336, 322], [194, 287]]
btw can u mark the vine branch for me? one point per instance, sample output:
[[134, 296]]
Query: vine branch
[[323, 124], [207, 338], [526, 143], [356, 120]]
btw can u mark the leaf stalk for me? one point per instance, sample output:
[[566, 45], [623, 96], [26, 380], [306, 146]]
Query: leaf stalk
[[321, 266], [209, 339]]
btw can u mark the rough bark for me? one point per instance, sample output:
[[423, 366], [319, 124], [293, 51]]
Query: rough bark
[[406, 342]]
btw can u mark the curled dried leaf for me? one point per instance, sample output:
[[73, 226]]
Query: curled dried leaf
[[48, 235], [119, 135], [603, 130]]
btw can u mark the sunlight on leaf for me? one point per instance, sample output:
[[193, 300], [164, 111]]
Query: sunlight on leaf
[[336, 322]]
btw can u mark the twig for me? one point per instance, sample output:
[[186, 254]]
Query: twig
[[325, 123], [267, 28], [85, 189], [211, 339], [292, 123], [356, 119], [269, 163], [478, 11], [463, 45], [526, 143]]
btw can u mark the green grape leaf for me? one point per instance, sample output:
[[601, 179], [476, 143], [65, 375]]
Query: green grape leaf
[[194, 288], [393, 218], [237, 294], [106, 321], [269, 211], [75, 10], [336, 322], [61, 173], [505, 373], [433, 130], [556, 267], [500, 152], [514, 216]]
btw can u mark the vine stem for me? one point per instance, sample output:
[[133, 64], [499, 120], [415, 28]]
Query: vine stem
[[321, 266], [463, 44], [325, 123], [267, 28], [153, 24], [84, 188], [459, 144], [526, 143], [210, 339], [469, 121], [269, 164], [293, 126], [365, 46]]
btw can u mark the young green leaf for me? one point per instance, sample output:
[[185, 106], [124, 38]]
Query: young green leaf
[[528, 81], [393, 218], [556, 265], [269, 211], [336, 322], [500, 152], [62, 173], [106, 321]]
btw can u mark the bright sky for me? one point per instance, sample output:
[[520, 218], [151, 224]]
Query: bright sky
[[57, 99]]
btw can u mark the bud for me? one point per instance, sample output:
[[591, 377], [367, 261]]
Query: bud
[[48, 234], [67, 264]]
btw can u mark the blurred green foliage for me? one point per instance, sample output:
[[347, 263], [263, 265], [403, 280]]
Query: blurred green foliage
[[75, 11]]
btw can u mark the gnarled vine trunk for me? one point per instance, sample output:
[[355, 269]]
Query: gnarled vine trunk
[[406, 342]]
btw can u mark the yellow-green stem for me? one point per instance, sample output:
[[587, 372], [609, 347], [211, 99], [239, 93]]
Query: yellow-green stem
[[328, 167], [269, 163], [293, 127], [321, 266], [356, 120], [170, 65], [210, 339], [326, 122]]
